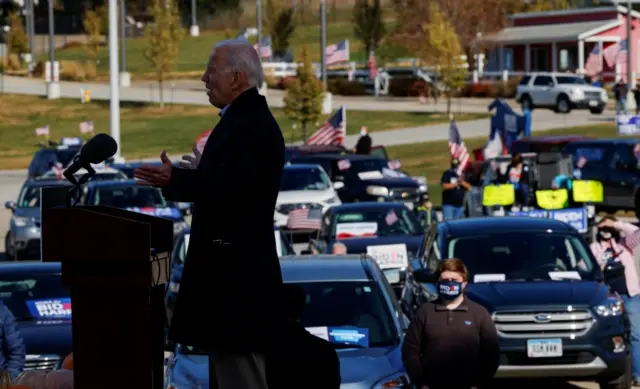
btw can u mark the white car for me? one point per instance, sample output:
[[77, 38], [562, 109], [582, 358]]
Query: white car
[[304, 186], [561, 92]]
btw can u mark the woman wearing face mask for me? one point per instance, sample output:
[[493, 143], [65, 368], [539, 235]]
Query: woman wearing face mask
[[518, 175], [613, 249], [452, 342]]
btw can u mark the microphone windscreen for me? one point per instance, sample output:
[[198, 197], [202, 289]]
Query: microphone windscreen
[[99, 148]]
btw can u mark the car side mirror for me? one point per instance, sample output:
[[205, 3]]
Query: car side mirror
[[10, 205], [338, 185], [424, 276]]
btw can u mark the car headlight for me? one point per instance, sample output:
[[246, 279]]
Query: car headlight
[[332, 200], [577, 92], [398, 380], [422, 188], [20, 221], [179, 226], [610, 307], [375, 190]]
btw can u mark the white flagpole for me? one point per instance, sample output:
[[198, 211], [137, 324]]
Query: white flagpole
[[344, 114], [348, 52]]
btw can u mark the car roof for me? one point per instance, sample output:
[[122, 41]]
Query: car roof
[[30, 267], [112, 183], [605, 141], [351, 157], [366, 205], [334, 268], [316, 147], [502, 224], [551, 139], [46, 181], [301, 166]]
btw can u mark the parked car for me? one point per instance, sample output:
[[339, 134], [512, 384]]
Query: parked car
[[45, 158], [544, 144], [105, 174], [34, 293], [22, 241], [561, 92], [344, 293], [555, 316]]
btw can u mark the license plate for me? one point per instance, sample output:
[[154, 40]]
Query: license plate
[[593, 103], [409, 205], [544, 348]]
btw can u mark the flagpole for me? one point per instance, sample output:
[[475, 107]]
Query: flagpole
[[630, 81], [323, 42]]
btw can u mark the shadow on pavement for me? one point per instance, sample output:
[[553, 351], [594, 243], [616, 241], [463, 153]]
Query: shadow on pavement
[[532, 384]]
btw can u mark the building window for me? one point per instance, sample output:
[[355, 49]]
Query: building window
[[539, 59], [568, 58]]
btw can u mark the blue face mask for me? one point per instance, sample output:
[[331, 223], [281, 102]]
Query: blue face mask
[[449, 290]]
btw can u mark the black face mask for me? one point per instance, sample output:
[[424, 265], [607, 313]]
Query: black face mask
[[454, 165]]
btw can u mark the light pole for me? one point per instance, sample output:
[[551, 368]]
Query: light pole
[[28, 17], [631, 103], [53, 86], [323, 42], [195, 29], [114, 76], [125, 77]]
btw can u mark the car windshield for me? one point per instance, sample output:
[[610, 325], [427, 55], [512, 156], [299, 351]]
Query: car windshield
[[29, 197], [571, 80], [125, 197], [375, 222], [31, 297], [349, 305], [368, 165], [304, 179], [527, 256]]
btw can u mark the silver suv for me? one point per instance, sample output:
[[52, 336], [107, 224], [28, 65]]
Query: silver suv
[[561, 92]]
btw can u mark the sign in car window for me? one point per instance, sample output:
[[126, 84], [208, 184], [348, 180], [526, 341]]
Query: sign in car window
[[389, 256], [575, 217], [59, 308], [356, 230], [342, 335], [371, 175], [167, 212]]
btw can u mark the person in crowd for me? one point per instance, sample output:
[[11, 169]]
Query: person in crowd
[[245, 149], [453, 191], [339, 248], [620, 93], [425, 212], [452, 342], [517, 174], [636, 97], [364, 142], [301, 358], [12, 350], [614, 250]]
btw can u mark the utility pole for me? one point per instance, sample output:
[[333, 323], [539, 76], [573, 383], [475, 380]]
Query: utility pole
[[53, 86], [125, 77], [195, 29], [114, 77], [28, 18], [323, 42]]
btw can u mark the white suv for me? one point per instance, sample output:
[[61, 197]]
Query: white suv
[[561, 92]]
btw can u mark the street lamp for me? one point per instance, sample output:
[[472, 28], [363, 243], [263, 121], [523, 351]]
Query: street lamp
[[125, 77], [195, 29], [114, 77], [53, 86]]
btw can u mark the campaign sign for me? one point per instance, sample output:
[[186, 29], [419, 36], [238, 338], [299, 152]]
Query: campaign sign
[[356, 230], [575, 217], [166, 212], [628, 124], [50, 309], [532, 213], [389, 256], [349, 335]]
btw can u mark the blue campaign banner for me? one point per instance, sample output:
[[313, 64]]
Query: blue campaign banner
[[532, 213], [167, 212], [50, 308], [349, 335], [575, 217], [509, 124], [628, 124]]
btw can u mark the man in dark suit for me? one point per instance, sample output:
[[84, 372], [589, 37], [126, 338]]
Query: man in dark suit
[[301, 360], [232, 266]]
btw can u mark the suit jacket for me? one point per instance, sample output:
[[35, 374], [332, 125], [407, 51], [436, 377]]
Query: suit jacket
[[228, 297]]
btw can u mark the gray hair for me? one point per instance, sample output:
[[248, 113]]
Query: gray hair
[[244, 59]]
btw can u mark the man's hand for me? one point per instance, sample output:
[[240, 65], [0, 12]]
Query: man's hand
[[607, 223], [158, 176], [189, 161]]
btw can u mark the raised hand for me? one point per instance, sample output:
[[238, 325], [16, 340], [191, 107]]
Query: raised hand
[[191, 161], [158, 176]]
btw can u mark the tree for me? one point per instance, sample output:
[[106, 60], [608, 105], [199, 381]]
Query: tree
[[16, 39], [368, 23], [303, 101], [92, 24], [162, 39], [443, 52], [279, 21]]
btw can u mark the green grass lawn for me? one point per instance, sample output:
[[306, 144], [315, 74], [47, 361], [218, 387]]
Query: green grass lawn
[[194, 52], [146, 128], [431, 159]]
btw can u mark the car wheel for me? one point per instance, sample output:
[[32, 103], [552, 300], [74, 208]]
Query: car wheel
[[622, 382], [526, 102], [9, 246], [563, 105], [597, 111]]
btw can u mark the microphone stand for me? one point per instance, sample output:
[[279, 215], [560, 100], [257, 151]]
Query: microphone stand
[[74, 195]]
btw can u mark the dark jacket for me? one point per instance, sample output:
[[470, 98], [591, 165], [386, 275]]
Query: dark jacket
[[524, 175], [364, 145], [453, 349], [302, 360], [12, 350], [232, 267]]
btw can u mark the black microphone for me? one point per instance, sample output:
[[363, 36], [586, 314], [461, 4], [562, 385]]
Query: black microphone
[[97, 149]]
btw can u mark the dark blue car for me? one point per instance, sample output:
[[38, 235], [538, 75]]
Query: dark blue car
[[555, 316]]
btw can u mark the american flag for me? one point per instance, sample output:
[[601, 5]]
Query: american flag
[[594, 62], [373, 67], [333, 131], [616, 54], [86, 127], [42, 131], [201, 140], [337, 53], [304, 219], [457, 148], [391, 217], [344, 164], [265, 47], [622, 58]]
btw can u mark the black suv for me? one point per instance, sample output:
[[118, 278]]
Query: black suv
[[539, 281]]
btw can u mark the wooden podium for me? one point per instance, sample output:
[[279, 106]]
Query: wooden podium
[[116, 264]]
